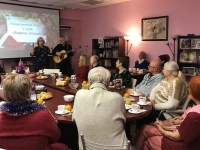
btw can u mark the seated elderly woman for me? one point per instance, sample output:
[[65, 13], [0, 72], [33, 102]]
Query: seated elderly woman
[[169, 94], [83, 70], [185, 136], [24, 123], [122, 72], [142, 63], [102, 112]]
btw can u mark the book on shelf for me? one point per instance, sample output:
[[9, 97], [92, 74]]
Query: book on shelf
[[115, 53], [107, 63], [108, 54]]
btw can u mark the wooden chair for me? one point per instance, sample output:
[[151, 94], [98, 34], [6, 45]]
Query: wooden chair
[[89, 145]]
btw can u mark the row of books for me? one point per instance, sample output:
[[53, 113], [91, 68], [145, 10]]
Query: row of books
[[110, 54], [189, 43], [105, 63]]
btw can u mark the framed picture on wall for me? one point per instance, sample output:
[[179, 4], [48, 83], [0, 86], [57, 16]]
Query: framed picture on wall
[[155, 29]]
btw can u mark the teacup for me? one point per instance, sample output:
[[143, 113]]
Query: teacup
[[13, 71], [135, 107], [138, 69], [39, 87], [130, 69], [141, 71], [41, 71], [61, 108], [135, 93], [142, 100]]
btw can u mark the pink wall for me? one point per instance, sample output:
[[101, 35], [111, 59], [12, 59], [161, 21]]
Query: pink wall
[[73, 18], [125, 19]]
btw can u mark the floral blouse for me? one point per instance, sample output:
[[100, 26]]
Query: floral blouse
[[125, 76], [41, 58]]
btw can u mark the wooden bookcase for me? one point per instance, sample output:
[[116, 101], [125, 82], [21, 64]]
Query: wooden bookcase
[[108, 52], [188, 55]]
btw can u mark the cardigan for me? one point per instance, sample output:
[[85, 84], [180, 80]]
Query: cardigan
[[100, 115], [82, 73]]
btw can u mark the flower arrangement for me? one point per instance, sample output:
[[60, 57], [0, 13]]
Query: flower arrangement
[[154, 27]]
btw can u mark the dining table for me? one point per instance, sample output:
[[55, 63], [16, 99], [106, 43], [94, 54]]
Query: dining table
[[57, 99]]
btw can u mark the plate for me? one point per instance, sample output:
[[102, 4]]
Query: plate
[[135, 95], [134, 112], [147, 103], [61, 112], [41, 78], [127, 106], [130, 99]]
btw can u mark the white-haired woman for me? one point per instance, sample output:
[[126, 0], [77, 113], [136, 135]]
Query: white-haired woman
[[99, 113], [41, 53], [25, 124], [169, 94]]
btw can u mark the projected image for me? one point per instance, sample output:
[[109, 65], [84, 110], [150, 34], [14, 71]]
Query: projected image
[[20, 29]]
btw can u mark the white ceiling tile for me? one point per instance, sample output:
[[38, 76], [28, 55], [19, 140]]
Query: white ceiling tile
[[75, 4]]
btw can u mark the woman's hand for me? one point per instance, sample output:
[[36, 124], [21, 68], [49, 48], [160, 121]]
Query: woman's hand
[[177, 120], [33, 49], [158, 122]]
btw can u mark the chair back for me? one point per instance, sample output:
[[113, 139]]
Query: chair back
[[89, 145]]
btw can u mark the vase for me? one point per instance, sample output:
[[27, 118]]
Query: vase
[[154, 36]]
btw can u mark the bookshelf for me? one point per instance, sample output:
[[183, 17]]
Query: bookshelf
[[188, 55], [108, 50]]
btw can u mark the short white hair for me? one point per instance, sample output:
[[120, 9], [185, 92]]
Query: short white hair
[[99, 75], [173, 67]]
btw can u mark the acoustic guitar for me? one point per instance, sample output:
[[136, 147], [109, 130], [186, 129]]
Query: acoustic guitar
[[63, 55]]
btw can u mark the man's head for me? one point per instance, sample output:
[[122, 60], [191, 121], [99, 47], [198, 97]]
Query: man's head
[[154, 67], [94, 60], [62, 40]]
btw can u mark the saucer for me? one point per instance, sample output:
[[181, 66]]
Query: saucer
[[61, 112], [134, 112], [130, 99], [127, 107], [132, 94], [147, 103]]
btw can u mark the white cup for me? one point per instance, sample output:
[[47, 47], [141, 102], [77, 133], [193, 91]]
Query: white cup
[[61, 108], [138, 69], [40, 71], [39, 87], [141, 71], [142, 100], [135, 93], [135, 107], [13, 71], [130, 69]]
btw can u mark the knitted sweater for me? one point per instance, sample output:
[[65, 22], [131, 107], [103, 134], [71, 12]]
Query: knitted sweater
[[169, 95], [148, 83], [99, 115]]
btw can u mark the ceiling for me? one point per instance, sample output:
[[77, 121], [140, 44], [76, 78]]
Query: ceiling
[[69, 4]]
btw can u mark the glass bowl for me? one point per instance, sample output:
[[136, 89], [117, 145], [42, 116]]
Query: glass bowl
[[73, 85]]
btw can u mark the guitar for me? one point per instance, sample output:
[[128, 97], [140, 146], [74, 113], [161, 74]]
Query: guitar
[[63, 55]]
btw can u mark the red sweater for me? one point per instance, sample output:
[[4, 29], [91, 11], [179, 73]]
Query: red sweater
[[82, 73], [34, 131]]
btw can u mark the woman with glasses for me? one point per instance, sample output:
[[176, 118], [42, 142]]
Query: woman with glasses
[[122, 73], [41, 53]]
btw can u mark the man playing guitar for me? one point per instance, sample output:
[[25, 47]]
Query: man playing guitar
[[65, 65]]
